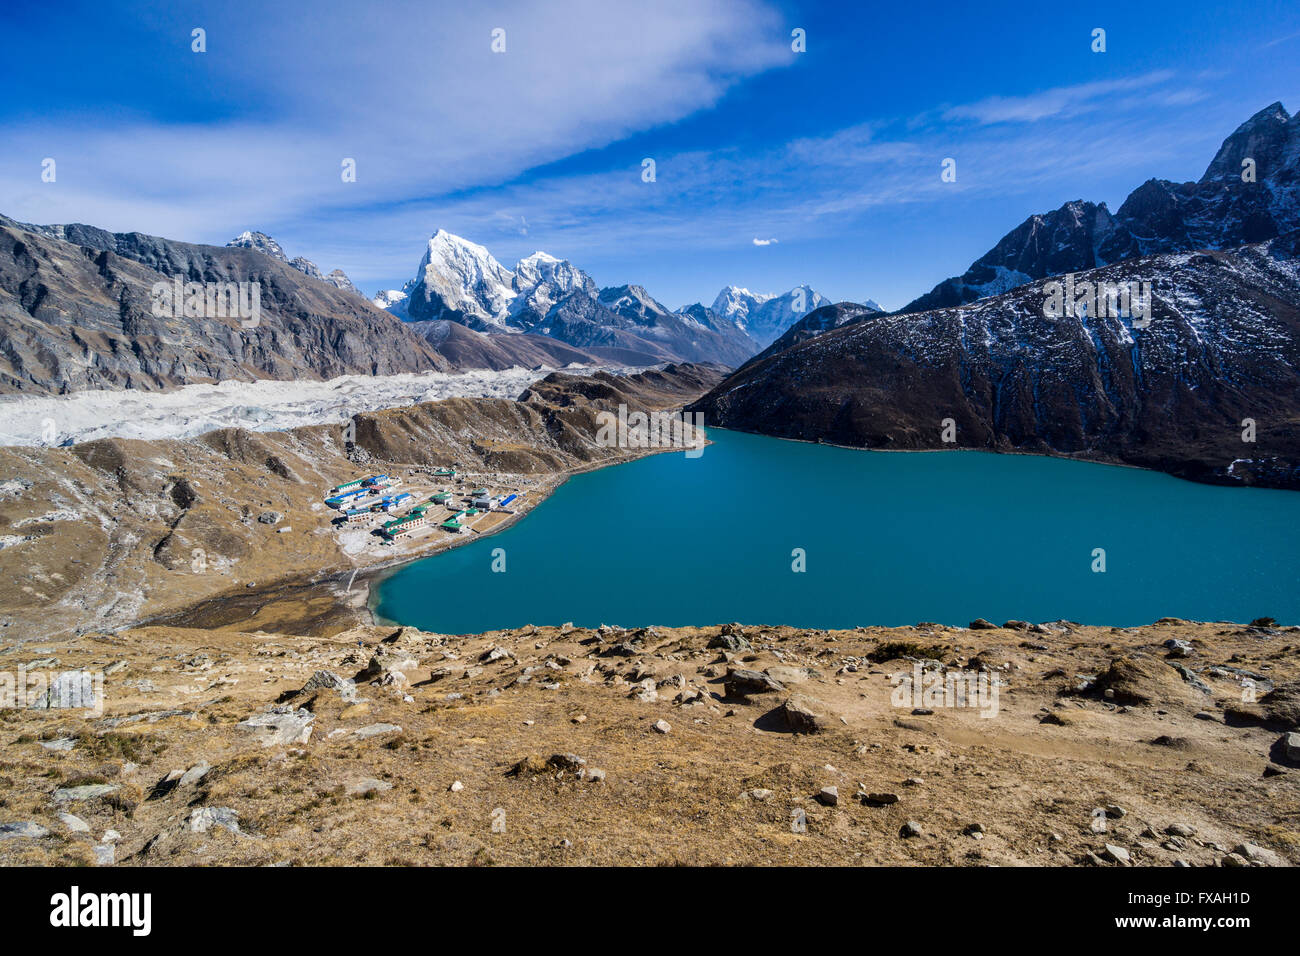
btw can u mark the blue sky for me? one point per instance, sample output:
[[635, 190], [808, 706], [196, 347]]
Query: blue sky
[[835, 152]]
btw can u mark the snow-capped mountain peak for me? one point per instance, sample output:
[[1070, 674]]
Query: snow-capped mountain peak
[[457, 278], [765, 317], [259, 242], [735, 303]]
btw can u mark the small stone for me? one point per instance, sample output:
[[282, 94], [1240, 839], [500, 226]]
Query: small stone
[[878, 799], [1115, 812], [110, 836], [828, 796], [974, 829], [1257, 854], [194, 774], [368, 785], [376, 730], [1291, 745], [456, 786], [205, 818], [1180, 830], [758, 793], [661, 726], [1118, 854], [910, 829], [105, 854], [74, 823]]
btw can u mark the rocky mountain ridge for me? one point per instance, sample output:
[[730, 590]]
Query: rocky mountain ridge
[[78, 303], [1249, 193]]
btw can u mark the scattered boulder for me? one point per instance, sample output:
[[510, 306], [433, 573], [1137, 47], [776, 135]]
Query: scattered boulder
[[23, 829], [328, 680], [279, 727], [800, 715], [1141, 679], [204, 819], [1281, 705], [661, 726], [270, 517], [376, 730], [828, 796], [730, 642], [741, 682], [877, 799], [979, 624], [1117, 854], [367, 785], [88, 791], [910, 829], [1291, 745]]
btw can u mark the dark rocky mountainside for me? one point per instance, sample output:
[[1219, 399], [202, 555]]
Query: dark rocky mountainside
[[1222, 346], [1220, 211], [467, 349], [264, 244], [76, 312]]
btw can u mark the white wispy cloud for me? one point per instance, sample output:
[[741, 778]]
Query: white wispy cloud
[[1060, 101], [764, 242], [412, 91]]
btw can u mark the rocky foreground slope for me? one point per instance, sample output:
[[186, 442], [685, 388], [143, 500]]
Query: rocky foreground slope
[[1208, 390], [663, 746], [106, 532]]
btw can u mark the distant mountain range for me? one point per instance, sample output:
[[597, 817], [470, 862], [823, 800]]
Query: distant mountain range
[[1208, 389], [77, 307], [460, 281]]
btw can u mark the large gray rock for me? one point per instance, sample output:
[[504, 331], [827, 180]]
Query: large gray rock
[[205, 818], [803, 716], [279, 727], [1291, 745], [376, 730], [85, 792], [741, 682], [24, 828]]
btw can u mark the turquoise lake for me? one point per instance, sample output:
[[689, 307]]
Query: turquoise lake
[[888, 538]]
